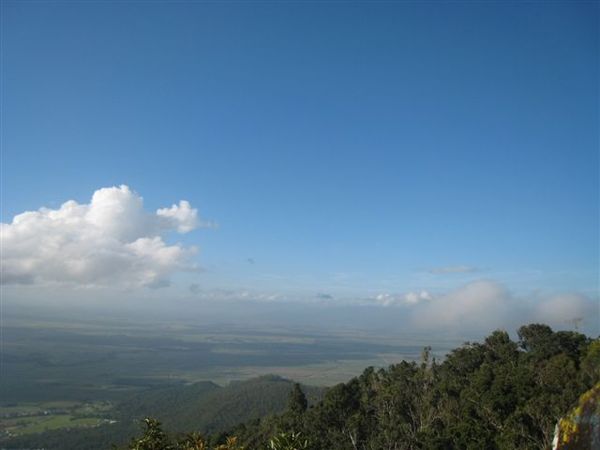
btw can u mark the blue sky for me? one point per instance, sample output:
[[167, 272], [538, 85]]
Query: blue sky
[[346, 148]]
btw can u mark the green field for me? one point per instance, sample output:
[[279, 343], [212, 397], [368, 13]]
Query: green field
[[38, 424], [28, 418]]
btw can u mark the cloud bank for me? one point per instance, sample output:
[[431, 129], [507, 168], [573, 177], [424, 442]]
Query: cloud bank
[[486, 305], [483, 304], [111, 241]]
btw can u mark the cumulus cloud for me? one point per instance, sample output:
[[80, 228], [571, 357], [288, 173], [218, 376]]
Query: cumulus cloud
[[112, 241], [182, 217]]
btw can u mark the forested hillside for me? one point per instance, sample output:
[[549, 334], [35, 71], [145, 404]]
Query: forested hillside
[[498, 394], [201, 406], [210, 408]]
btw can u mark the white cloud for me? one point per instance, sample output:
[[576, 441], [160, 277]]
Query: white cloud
[[566, 308], [182, 217], [413, 298], [484, 304], [229, 295], [110, 241], [409, 298]]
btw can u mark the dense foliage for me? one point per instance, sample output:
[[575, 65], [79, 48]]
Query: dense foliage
[[210, 408], [499, 394]]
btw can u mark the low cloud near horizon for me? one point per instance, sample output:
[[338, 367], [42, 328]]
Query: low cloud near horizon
[[479, 306], [487, 304], [111, 241]]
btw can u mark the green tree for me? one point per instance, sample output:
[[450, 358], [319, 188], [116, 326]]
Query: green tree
[[538, 340], [297, 402], [153, 438], [590, 364]]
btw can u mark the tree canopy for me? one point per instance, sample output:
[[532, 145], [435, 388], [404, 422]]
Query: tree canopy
[[499, 395]]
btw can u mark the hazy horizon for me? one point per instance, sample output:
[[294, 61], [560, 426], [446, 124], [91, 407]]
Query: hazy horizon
[[430, 167]]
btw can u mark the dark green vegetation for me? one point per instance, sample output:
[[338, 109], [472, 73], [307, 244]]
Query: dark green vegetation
[[210, 408], [200, 406], [499, 394]]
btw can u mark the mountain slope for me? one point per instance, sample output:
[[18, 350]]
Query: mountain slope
[[204, 407], [208, 408]]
